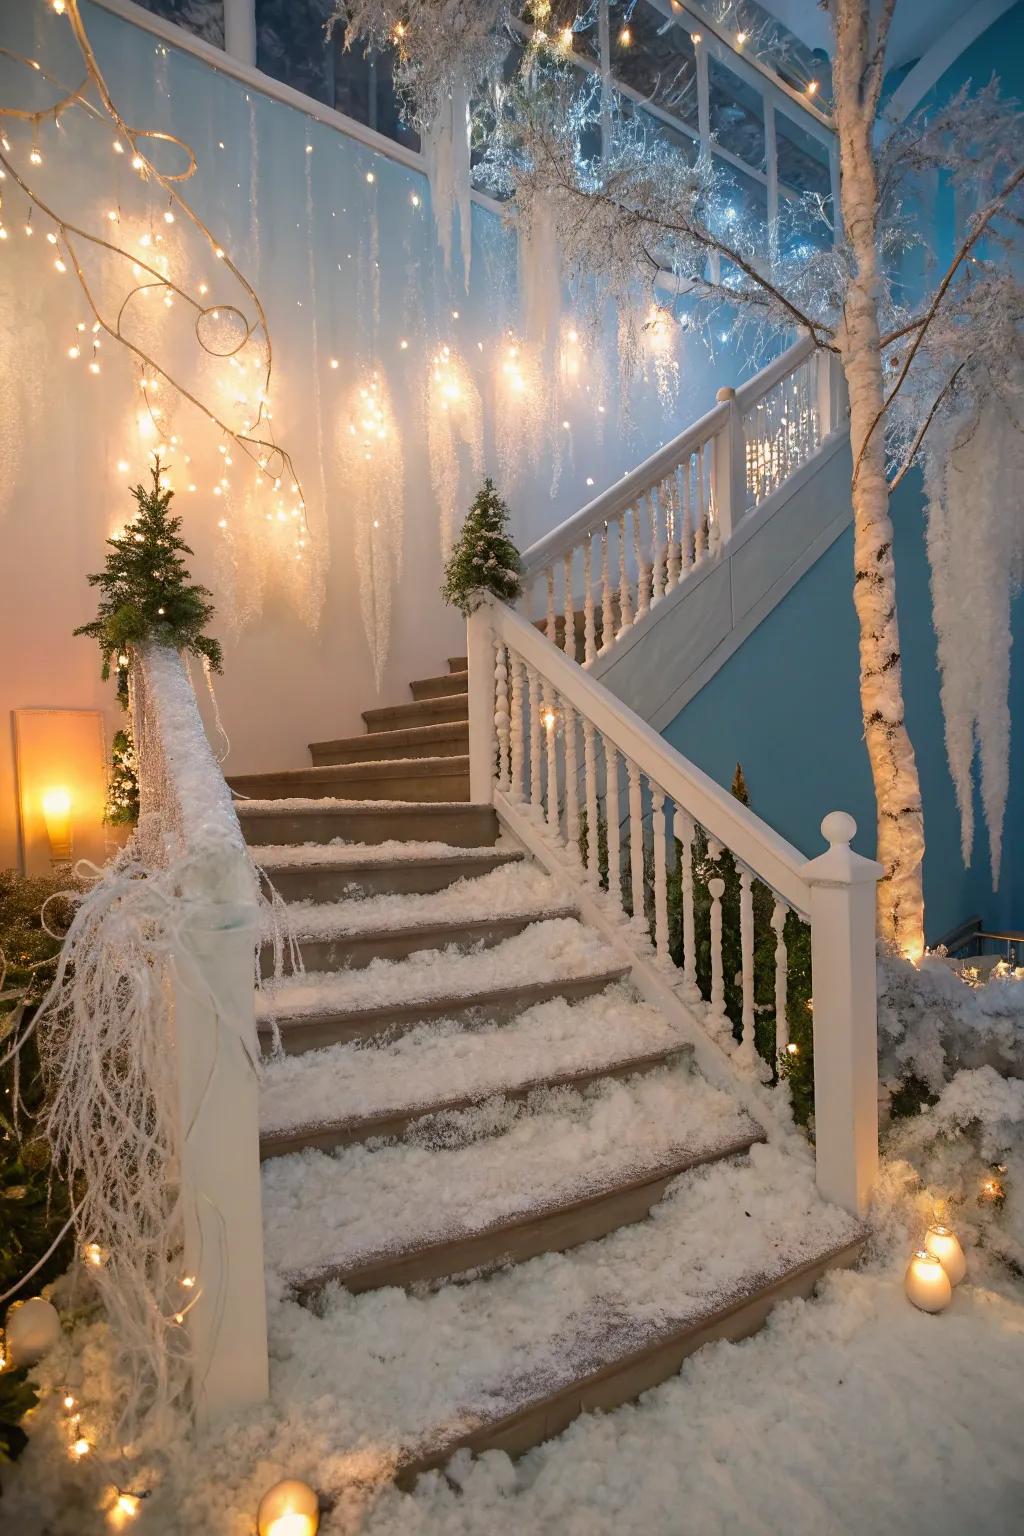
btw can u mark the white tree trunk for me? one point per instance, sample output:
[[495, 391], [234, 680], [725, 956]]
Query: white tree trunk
[[893, 768]]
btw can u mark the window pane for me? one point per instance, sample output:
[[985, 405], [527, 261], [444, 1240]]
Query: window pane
[[802, 158], [658, 61], [291, 45], [737, 114], [657, 129], [206, 20], [582, 19], [746, 205]]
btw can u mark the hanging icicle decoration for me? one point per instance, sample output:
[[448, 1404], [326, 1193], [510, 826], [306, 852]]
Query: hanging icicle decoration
[[371, 470], [454, 435]]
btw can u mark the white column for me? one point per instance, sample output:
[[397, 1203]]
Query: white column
[[729, 469], [480, 650], [240, 30], [845, 1019]]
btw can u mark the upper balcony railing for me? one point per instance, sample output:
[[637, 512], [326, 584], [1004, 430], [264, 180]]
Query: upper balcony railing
[[604, 570]]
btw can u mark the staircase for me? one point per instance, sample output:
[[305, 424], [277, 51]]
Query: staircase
[[493, 1176]]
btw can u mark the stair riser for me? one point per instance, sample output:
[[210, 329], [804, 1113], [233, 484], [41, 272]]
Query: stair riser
[[419, 789], [311, 1034], [624, 1382], [438, 687], [464, 826], [554, 1232], [325, 1138], [401, 717], [458, 663], [451, 746], [356, 953], [393, 878]]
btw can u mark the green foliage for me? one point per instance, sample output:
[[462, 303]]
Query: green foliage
[[122, 808], [34, 1203], [146, 590], [484, 558]]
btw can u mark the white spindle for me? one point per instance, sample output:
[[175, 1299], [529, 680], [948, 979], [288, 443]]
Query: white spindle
[[590, 783], [549, 626], [660, 834], [536, 792], [700, 542], [607, 604], [572, 812], [568, 609], [611, 810], [517, 732], [686, 897], [718, 1019], [652, 528], [672, 566], [781, 981], [550, 721], [643, 594], [686, 529], [501, 716], [748, 1045], [589, 630], [625, 600], [636, 844]]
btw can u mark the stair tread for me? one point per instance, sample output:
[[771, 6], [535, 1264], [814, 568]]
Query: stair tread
[[556, 949], [446, 1063], [387, 716], [385, 767], [342, 1211], [411, 735], [405, 1380], [348, 855]]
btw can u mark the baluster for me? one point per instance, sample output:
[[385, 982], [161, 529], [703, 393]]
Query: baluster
[[611, 810], [672, 551], [686, 532], [572, 814], [607, 604], [549, 623], [501, 715], [517, 728], [718, 1019], [660, 831], [643, 597], [700, 542], [625, 601], [589, 633], [568, 609], [748, 1045], [536, 801], [590, 784], [686, 887], [781, 981], [636, 844], [652, 525], [550, 721]]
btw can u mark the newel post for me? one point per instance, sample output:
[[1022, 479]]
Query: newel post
[[729, 469], [830, 389], [845, 1016], [480, 651]]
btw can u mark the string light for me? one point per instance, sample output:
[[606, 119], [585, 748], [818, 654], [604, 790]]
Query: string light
[[625, 37], [415, 199], [741, 38], [370, 177], [81, 1447], [812, 86]]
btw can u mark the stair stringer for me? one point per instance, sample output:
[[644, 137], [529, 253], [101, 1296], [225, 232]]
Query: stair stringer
[[655, 984], [668, 655]]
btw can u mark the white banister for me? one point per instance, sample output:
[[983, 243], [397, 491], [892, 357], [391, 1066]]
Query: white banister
[[728, 471], [480, 642], [842, 885], [240, 30]]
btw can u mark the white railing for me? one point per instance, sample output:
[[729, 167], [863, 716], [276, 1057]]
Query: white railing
[[597, 794], [188, 829], [604, 570]]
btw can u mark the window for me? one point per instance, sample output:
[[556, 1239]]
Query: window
[[659, 62], [736, 114], [205, 18], [803, 159]]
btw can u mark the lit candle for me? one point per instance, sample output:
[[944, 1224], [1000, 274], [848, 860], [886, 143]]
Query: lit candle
[[289, 1508], [57, 816], [944, 1245], [927, 1284]]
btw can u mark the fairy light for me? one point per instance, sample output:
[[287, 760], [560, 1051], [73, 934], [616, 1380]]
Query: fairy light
[[625, 37], [69, 1401], [371, 178], [59, 265], [92, 1252], [415, 199], [128, 1504], [812, 87], [35, 158], [58, 6], [741, 38], [548, 718], [81, 1447]]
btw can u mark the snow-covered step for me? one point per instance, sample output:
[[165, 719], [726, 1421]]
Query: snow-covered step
[[296, 820], [565, 1168], [421, 779], [323, 872], [446, 739], [348, 1093], [472, 912], [444, 686], [401, 1381], [393, 717]]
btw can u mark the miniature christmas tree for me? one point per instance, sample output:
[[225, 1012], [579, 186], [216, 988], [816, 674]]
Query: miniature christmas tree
[[147, 593], [484, 558], [122, 807]]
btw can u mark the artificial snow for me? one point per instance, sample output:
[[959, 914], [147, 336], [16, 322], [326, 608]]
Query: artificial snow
[[393, 851], [448, 1061], [472, 1170], [552, 950]]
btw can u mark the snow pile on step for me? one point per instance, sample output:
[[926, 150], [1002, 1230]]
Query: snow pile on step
[[447, 1060], [338, 851], [340, 1208], [258, 807], [556, 950], [387, 1370], [509, 891]]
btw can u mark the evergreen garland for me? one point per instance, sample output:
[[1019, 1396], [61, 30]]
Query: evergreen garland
[[147, 593], [484, 558], [122, 808]]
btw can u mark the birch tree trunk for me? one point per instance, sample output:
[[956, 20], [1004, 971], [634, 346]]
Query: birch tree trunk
[[857, 75]]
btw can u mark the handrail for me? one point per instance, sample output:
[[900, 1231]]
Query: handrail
[[773, 373], [774, 860]]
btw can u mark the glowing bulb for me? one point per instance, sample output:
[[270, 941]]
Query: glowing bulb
[[128, 1504], [221, 523], [28, 227], [58, 6], [695, 37], [81, 1446], [35, 158], [415, 199], [334, 362], [168, 217], [52, 237], [137, 163], [590, 479], [565, 426], [370, 177], [812, 86], [943, 1244], [203, 288], [926, 1283], [92, 1251], [118, 147], [3, 233], [59, 265], [123, 466], [69, 1401], [309, 149], [625, 37], [741, 38], [404, 345], [94, 366], [792, 1049], [548, 717], [220, 257]]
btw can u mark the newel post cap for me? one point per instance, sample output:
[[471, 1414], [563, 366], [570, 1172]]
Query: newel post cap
[[726, 393], [840, 865]]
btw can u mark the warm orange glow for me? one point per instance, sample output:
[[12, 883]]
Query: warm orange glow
[[57, 816]]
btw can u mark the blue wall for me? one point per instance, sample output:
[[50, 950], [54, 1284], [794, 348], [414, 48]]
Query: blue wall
[[787, 707]]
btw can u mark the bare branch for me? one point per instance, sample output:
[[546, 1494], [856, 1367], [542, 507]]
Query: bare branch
[[919, 439]]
